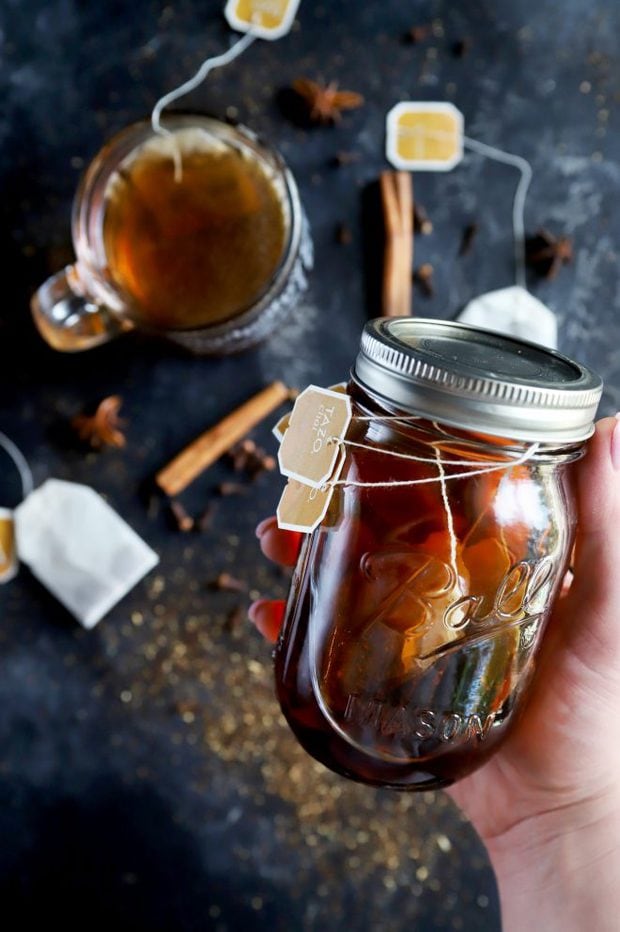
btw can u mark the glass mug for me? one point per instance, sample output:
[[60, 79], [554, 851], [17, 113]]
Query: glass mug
[[196, 234], [417, 608]]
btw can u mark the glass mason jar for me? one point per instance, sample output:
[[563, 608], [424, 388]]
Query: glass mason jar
[[417, 606]]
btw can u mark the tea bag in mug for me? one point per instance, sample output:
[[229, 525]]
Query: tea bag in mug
[[79, 548]]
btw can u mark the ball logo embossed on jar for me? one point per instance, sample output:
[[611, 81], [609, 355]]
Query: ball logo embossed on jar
[[419, 602]]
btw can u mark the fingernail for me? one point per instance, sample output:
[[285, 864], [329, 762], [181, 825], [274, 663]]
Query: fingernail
[[264, 526], [615, 444]]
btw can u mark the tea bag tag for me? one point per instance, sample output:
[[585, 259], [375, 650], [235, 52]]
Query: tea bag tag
[[424, 136], [8, 553], [513, 311], [302, 507], [267, 19], [79, 548], [280, 427], [309, 450]]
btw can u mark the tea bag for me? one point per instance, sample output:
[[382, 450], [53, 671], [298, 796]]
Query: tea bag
[[79, 548], [513, 311]]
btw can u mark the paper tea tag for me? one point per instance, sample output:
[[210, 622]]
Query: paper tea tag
[[79, 548], [280, 428], [309, 450], [424, 136], [268, 19], [8, 555], [513, 311], [301, 507]]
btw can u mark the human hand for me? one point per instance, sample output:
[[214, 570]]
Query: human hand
[[547, 805]]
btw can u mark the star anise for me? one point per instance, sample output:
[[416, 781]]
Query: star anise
[[545, 253], [103, 428], [324, 101]]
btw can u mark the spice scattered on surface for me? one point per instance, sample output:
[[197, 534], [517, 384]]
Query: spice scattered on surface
[[344, 158], [546, 253], [184, 522], [417, 34], [231, 488], [423, 276], [103, 428], [421, 221], [236, 620], [204, 521], [344, 235], [324, 101], [461, 47], [467, 239], [226, 582], [247, 457]]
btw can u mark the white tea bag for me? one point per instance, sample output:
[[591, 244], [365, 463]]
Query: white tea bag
[[513, 311], [79, 548]]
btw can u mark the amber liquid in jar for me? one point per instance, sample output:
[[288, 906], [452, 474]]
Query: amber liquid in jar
[[416, 611], [198, 246]]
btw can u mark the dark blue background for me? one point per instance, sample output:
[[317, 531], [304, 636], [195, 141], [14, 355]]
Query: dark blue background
[[147, 780]]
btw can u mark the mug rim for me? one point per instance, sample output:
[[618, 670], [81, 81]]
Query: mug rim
[[90, 249]]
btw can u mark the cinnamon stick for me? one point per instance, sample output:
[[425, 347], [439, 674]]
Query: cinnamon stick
[[210, 445], [397, 200]]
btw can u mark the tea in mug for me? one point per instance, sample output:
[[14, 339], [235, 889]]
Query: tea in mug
[[199, 248]]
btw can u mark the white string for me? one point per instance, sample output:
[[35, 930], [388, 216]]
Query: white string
[[448, 510], [21, 464], [409, 456], [216, 61], [529, 453], [518, 205], [387, 417]]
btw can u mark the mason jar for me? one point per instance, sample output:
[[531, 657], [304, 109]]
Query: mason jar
[[418, 605]]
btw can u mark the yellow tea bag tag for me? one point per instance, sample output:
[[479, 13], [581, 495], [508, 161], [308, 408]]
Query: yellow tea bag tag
[[309, 450], [301, 507], [279, 429], [267, 19], [424, 136], [8, 553]]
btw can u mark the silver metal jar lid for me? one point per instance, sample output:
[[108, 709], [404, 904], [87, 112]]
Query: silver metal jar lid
[[478, 380]]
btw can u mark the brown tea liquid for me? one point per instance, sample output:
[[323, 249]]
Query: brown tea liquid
[[404, 654], [199, 249]]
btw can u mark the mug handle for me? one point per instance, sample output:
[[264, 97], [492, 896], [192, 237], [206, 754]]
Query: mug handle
[[68, 320]]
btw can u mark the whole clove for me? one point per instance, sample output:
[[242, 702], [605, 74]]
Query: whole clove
[[231, 488], [421, 221], [344, 158], [344, 235], [423, 276], [236, 619], [204, 521], [467, 239], [183, 521], [417, 34], [226, 582], [461, 47]]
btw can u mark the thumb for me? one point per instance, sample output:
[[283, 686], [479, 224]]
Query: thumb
[[591, 610]]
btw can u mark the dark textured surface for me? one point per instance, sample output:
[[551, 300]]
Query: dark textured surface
[[147, 780]]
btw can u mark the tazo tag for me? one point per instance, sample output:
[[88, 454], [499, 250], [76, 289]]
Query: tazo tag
[[424, 136], [309, 450], [281, 427], [8, 555], [301, 507], [311, 456], [267, 19]]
